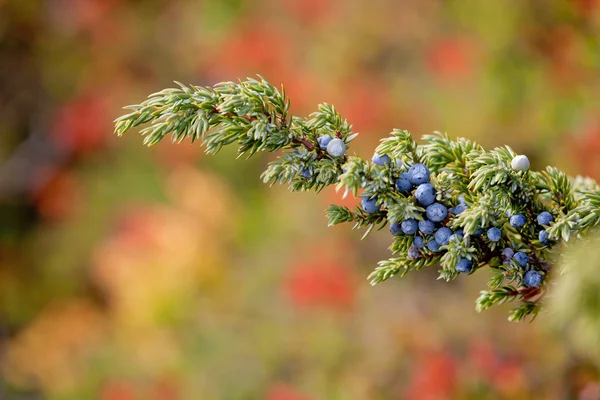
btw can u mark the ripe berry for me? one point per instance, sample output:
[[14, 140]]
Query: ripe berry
[[543, 237], [532, 279], [436, 212], [409, 226], [403, 183], [395, 228], [307, 173], [459, 208], [494, 234], [458, 235], [521, 258], [442, 236], [380, 160], [544, 218], [517, 221], [507, 255], [418, 174], [425, 194], [478, 232], [433, 246], [464, 266], [370, 205], [520, 163], [324, 141], [426, 227], [336, 147], [413, 253], [418, 242]]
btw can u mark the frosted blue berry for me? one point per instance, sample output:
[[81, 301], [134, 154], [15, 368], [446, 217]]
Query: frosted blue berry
[[464, 266], [370, 205], [436, 212], [418, 242], [426, 227], [521, 258], [336, 147], [409, 226], [442, 236], [459, 208], [458, 235], [532, 279], [494, 234], [413, 253], [418, 174], [461, 199], [425, 194], [403, 183], [543, 237], [544, 218], [517, 221], [507, 255], [395, 228], [324, 141], [307, 173], [380, 160], [433, 246]]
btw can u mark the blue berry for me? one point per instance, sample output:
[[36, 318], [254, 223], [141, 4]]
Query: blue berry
[[507, 255], [413, 253], [409, 226], [425, 194], [426, 227], [370, 205], [544, 218], [418, 242], [532, 279], [461, 199], [459, 208], [458, 234], [442, 236], [380, 160], [336, 147], [517, 221], [436, 212], [418, 174], [433, 246], [494, 234], [403, 183], [521, 258], [478, 232], [395, 228], [464, 266], [307, 173], [324, 141], [543, 237]]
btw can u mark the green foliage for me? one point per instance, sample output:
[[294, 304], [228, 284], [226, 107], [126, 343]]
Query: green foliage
[[254, 115]]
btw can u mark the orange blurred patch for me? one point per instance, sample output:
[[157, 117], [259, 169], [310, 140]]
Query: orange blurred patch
[[434, 377], [117, 391], [59, 196], [281, 391], [585, 150], [450, 59]]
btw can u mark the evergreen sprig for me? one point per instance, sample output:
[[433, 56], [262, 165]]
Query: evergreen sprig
[[448, 202]]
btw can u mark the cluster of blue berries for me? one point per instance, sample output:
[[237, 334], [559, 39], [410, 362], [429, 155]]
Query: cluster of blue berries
[[431, 232]]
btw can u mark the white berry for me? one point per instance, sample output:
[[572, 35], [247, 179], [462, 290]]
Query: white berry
[[520, 163], [336, 147]]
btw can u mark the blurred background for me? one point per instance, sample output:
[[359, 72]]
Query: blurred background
[[163, 274]]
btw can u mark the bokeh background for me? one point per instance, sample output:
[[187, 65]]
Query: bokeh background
[[163, 274]]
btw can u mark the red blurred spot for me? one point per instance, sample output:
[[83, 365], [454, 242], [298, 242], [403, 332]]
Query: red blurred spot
[[450, 59], [117, 391], [586, 7], [282, 391], [586, 150], [434, 377], [484, 357], [365, 102], [58, 196], [335, 197], [310, 11], [82, 125], [320, 282], [166, 389]]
